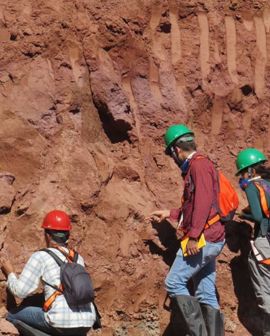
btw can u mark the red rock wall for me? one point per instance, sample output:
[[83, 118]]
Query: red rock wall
[[87, 91]]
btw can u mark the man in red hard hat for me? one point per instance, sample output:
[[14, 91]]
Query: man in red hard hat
[[56, 317]]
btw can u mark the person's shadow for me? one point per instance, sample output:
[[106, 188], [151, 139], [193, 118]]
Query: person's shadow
[[167, 237], [238, 236]]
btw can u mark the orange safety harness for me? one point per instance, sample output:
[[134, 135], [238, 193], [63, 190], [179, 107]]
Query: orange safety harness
[[265, 262], [48, 303], [212, 221], [263, 199], [266, 211]]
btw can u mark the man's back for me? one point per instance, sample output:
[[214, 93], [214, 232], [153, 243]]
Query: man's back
[[41, 266]]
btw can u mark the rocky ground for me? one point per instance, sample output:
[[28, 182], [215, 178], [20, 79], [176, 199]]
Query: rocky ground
[[87, 90]]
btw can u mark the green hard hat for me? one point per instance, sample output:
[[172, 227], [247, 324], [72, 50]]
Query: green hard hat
[[249, 157], [174, 132]]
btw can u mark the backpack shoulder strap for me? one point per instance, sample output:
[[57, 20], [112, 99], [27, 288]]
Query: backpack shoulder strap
[[59, 263], [76, 256], [72, 255], [54, 256], [263, 199]]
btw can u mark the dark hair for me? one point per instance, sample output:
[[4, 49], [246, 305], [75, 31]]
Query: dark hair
[[186, 146], [60, 237], [263, 171]]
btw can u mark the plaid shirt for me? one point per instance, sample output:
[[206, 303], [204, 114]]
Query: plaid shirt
[[41, 266]]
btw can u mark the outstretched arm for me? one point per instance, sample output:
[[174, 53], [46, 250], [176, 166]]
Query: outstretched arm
[[29, 279]]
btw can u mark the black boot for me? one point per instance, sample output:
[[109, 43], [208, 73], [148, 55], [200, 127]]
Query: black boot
[[178, 323], [214, 320], [192, 316]]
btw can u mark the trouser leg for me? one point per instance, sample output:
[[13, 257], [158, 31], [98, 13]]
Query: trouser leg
[[205, 292], [32, 316], [260, 278], [185, 268], [205, 285], [176, 281]]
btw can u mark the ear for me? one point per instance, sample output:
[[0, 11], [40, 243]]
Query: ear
[[178, 150], [47, 237], [251, 172]]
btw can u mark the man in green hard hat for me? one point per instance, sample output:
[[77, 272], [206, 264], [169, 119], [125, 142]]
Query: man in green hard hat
[[198, 315], [249, 164]]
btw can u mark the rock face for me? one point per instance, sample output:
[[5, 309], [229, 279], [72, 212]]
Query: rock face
[[7, 194], [7, 328], [88, 89]]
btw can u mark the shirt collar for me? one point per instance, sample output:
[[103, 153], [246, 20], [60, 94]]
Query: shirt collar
[[255, 178], [191, 155]]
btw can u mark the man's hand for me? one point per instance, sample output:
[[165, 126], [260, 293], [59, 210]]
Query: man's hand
[[6, 266], [179, 233], [192, 248], [159, 215]]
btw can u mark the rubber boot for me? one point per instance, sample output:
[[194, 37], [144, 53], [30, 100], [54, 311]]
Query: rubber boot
[[178, 324], [190, 310], [214, 320]]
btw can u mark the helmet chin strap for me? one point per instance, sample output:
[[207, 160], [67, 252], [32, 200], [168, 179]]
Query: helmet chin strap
[[178, 161], [250, 171]]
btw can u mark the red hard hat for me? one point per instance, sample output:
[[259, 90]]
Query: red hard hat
[[57, 220]]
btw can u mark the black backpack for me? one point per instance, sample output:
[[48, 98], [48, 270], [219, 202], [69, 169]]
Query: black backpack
[[76, 284]]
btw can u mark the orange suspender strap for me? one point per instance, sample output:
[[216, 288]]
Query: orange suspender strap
[[212, 221], [71, 255], [263, 200], [265, 262], [48, 303]]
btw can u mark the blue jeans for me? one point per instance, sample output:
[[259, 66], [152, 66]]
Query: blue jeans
[[201, 268], [35, 317]]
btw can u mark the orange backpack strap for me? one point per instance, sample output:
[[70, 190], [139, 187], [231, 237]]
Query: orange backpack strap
[[48, 303], [265, 262], [263, 199], [212, 221], [72, 255]]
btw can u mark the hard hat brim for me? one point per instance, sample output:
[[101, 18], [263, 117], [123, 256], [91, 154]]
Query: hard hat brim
[[167, 149], [252, 165]]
